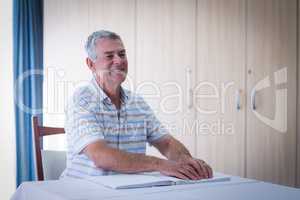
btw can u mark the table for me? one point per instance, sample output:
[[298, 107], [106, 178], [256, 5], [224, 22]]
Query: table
[[77, 189]]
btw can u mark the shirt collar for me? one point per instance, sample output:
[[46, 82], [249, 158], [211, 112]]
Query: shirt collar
[[103, 96]]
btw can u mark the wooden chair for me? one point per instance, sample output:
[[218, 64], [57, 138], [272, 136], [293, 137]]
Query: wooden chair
[[39, 132]]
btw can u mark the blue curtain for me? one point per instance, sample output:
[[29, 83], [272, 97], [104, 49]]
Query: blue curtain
[[28, 80]]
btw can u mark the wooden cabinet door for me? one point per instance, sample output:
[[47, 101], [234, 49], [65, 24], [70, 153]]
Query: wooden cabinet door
[[271, 89], [165, 52], [117, 16], [219, 92]]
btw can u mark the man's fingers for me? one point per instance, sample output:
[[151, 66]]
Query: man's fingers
[[187, 173], [192, 171], [203, 171], [210, 171], [206, 168], [180, 175], [194, 163], [196, 169]]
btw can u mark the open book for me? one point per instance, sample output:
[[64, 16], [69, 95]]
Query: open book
[[127, 181]]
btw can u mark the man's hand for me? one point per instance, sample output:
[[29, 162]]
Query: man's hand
[[178, 170], [187, 168], [185, 165], [202, 168]]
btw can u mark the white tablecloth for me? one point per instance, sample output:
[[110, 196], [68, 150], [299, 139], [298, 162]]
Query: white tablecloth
[[75, 189]]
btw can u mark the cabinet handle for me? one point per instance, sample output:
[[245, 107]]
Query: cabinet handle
[[253, 93], [238, 99], [190, 90], [190, 100]]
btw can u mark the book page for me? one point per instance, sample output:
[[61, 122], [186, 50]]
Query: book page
[[217, 177], [127, 181]]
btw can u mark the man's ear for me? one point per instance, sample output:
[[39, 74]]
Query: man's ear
[[90, 64]]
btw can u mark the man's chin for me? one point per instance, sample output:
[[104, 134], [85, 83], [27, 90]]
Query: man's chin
[[118, 79]]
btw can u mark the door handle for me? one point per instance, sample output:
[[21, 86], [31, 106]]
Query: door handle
[[190, 90], [238, 99], [253, 94]]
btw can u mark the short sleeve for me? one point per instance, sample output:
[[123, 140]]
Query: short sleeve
[[155, 129], [82, 126]]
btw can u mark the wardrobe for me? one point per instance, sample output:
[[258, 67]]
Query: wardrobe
[[222, 75]]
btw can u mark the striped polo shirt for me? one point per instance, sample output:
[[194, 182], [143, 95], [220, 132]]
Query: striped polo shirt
[[91, 116]]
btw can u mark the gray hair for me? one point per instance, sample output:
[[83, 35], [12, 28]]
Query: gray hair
[[90, 45]]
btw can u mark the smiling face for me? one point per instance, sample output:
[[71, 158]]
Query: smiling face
[[111, 64]]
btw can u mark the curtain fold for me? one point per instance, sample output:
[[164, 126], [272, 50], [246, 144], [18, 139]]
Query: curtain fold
[[28, 81]]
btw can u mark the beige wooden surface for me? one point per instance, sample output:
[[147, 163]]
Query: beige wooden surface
[[271, 46], [117, 16], [221, 73], [165, 50]]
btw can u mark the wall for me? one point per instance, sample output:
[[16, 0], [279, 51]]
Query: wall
[[7, 137]]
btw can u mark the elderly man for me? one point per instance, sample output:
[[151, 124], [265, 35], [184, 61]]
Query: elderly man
[[108, 126]]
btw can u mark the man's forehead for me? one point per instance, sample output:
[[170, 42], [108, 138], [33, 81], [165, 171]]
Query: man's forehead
[[107, 44], [115, 51]]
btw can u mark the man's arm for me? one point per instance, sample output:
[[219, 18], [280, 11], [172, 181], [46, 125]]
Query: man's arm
[[171, 148], [176, 151], [109, 158]]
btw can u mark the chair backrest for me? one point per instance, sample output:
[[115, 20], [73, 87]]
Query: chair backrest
[[54, 163], [39, 132]]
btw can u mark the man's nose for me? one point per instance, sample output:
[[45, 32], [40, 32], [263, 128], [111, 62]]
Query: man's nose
[[117, 59]]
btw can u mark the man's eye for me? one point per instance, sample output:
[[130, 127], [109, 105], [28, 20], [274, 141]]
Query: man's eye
[[122, 55], [110, 56]]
